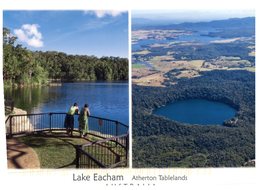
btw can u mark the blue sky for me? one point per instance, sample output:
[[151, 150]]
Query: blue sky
[[99, 33], [192, 15]]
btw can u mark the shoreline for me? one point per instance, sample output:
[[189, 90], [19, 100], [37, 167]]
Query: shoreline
[[16, 111], [59, 83]]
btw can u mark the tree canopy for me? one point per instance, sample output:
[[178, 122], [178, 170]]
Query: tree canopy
[[160, 142], [23, 66]]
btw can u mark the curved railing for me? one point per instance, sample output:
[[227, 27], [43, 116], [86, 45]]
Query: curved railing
[[110, 150], [107, 153], [26, 123]]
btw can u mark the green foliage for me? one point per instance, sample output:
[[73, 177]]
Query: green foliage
[[160, 142], [63, 67], [25, 67], [20, 66]]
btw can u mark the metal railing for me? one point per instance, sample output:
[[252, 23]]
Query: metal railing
[[109, 150], [26, 123], [106, 153]]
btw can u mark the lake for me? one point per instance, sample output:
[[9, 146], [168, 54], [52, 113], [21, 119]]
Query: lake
[[198, 36], [105, 99], [197, 111]]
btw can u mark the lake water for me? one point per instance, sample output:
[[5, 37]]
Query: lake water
[[197, 111], [199, 36], [106, 100]]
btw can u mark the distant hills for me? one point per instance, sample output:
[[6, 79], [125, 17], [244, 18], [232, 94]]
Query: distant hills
[[247, 22]]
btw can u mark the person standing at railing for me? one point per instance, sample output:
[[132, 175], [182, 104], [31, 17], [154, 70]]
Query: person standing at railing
[[69, 119], [83, 120]]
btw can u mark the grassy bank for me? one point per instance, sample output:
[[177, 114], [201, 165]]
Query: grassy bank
[[54, 152], [58, 150]]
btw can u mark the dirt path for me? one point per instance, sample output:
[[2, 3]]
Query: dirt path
[[20, 156]]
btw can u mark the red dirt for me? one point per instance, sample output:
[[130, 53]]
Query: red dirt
[[20, 156]]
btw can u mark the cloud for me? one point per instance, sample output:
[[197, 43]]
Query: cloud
[[103, 13], [29, 34]]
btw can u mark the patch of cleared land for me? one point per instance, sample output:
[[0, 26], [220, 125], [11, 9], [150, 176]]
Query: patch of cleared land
[[188, 74], [143, 52], [159, 45], [138, 66], [162, 65], [184, 69], [251, 69], [227, 63], [225, 41], [252, 53], [141, 72], [155, 79], [194, 64]]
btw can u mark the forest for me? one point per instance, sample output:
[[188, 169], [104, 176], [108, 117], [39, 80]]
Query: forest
[[204, 52], [25, 67], [160, 142]]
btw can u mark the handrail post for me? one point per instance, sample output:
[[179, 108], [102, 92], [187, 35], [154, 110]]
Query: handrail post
[[11, 127], [117, 132], [50, 114], [78, 147], [117, 128], [12, 106], [127, 149]]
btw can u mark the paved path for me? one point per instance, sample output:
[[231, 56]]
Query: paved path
[[21, 156]]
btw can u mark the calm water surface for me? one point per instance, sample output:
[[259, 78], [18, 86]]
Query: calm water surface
[[197, 111], [107, 100]]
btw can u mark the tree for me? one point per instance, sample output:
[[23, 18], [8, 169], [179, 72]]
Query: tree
[[25, 67]]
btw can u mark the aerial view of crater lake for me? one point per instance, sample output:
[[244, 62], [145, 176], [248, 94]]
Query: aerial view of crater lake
[[193, 89], [197, 111]]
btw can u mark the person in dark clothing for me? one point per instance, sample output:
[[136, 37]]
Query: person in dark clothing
[[69, 119]]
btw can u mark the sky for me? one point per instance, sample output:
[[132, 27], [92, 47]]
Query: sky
[[98, 33], [178, 16]]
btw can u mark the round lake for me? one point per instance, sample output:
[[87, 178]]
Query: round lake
[[197, 111]]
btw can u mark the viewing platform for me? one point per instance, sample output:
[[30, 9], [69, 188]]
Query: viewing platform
[[106, 143]]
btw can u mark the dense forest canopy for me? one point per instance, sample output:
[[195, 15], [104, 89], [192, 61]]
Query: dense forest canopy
[[160, 142], [22, 66]]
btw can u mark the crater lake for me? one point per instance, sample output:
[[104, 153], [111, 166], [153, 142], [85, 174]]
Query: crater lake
[[106, 99], [197, 111]]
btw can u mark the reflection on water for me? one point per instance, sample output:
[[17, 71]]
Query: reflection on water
[[108, 100], [28, 98]]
